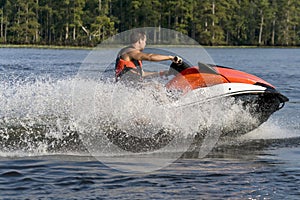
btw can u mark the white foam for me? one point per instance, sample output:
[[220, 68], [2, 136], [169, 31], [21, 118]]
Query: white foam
[[271, 130], [90, 107]]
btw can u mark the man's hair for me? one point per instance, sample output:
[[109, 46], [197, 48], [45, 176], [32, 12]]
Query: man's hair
[[136, 36]]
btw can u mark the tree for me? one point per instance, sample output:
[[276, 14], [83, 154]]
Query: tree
[[263, 18], [3, 21], [24, 23]]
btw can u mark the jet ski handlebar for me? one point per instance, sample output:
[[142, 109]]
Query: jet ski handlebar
[[178, 65], [177, 60]]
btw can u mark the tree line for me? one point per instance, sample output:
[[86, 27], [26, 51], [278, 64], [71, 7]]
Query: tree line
[[210, 22]]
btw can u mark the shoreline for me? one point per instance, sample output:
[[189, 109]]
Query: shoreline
[[44, 46], [90, 48]]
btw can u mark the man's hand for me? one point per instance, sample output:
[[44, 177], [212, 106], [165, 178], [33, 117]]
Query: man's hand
[[164, 73]]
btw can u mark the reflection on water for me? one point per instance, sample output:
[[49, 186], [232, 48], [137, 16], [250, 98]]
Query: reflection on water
[[249, 176]]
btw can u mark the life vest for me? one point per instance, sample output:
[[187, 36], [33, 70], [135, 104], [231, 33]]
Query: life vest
[[123, 66]]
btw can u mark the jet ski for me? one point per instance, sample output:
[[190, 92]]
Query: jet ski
[[209, 84], [216, 82]]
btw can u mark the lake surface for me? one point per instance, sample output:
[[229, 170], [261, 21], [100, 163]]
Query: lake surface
[[39, 159]]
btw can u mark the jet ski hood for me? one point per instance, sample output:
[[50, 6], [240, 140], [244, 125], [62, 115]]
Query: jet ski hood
[[205, 75]]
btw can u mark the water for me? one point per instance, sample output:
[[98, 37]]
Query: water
[[42, 157]]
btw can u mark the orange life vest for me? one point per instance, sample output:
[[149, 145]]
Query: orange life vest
[[123, 66]]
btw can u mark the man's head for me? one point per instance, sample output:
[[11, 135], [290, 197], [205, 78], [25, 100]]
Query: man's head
[[138, 39]]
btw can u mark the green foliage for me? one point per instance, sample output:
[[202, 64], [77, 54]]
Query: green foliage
[[210, 22]]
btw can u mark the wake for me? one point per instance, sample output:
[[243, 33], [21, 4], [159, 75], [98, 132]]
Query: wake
[[68, 116]]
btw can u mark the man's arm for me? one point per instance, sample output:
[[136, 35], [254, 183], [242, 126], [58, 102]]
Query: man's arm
[[156, 74], [138, 55], [151, 74]]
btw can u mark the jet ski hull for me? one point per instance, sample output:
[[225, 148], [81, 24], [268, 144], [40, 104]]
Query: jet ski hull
[[258, 101]]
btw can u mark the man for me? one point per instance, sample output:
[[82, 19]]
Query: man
[[129, 60]]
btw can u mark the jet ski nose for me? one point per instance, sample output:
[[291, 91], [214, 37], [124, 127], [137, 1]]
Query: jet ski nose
[[283, 98]]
